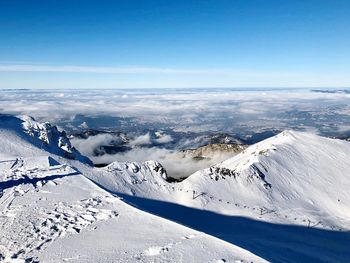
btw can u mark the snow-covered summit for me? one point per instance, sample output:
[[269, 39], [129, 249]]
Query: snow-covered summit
[[292, 172], [293, 177], [35, 137], [47, 133]]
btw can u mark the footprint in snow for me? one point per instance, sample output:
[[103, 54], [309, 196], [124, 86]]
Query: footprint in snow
[[53, 223], [155, 251], [222, 260], [189, 237]]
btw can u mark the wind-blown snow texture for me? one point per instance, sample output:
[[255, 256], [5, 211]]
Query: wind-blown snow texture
[[284, 199]]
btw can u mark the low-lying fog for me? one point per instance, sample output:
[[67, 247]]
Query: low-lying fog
[[161, 122], [141, 148]]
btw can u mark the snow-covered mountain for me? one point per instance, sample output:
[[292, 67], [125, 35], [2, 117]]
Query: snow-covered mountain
[[294, 177], [299, 177], [50, 212], [284, 199], [33, 135]]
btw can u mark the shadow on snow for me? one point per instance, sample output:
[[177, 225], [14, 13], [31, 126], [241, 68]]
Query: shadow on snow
[[273, 242], [26, 180]]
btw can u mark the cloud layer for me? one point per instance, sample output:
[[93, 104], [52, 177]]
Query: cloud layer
[[180, 110], [175, 164], [161, 121], [107, 70]]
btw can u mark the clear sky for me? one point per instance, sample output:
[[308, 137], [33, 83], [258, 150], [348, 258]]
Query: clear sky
[[137, 44]]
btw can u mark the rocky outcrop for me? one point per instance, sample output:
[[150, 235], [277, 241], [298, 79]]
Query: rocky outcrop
[[51, 138], [207, 151]]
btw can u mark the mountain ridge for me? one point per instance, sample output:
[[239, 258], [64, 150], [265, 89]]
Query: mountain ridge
[[293, 185]]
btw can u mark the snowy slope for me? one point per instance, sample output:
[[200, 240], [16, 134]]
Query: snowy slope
[[50, 212], [294, 177], [287, 190], [293, 174], [282, 200]]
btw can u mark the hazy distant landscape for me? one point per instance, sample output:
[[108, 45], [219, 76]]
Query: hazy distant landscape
[[155, 124]]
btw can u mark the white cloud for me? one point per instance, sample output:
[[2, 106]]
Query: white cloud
[[141, 140], [87, 146], [84, 125], [182, 110], [164, 138], [174, 163], [169, 77], [146, 139], [112, 70]]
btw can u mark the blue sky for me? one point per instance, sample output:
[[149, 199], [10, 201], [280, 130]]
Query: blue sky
[[137, 44]]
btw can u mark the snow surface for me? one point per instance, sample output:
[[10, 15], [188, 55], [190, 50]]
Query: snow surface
[[50, 212], [284, 199]]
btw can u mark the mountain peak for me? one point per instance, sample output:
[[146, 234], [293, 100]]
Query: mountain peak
[[35, 136], [292, 170]]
